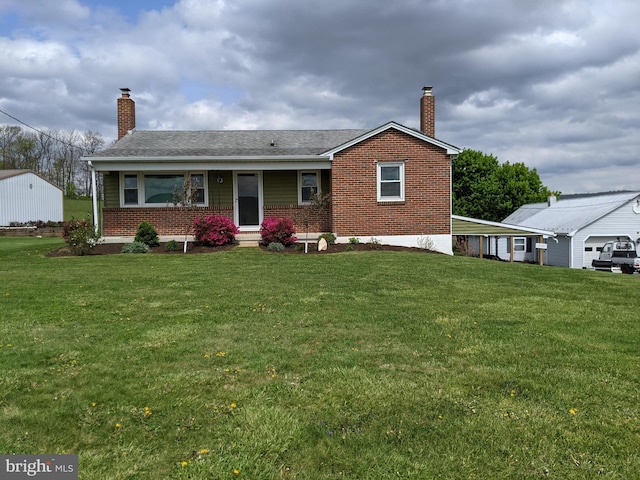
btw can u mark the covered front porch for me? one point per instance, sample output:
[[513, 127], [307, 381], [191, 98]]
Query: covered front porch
[[247, 195], [483, 238]]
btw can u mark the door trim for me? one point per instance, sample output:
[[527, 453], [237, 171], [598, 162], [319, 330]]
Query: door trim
[[236, 205]]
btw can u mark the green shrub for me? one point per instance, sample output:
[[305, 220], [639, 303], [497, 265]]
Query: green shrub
[[349, 248], [275, 247], [80, 235], [147, 234], [354, 241], [171, 246], [135, 247], [329, 237]]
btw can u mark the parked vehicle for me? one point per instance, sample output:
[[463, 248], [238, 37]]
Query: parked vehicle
[[618, 256]]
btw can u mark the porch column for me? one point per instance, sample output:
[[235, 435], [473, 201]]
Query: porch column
[[94, 196], [540, 251], [481, 246]]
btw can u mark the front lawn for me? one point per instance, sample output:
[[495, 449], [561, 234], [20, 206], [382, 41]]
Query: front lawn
[[360, 365]]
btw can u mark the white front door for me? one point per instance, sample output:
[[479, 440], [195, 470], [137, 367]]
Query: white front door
[[248, 200], [519, 249]]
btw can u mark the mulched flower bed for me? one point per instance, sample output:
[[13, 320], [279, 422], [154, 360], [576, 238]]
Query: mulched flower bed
[[116, 248]]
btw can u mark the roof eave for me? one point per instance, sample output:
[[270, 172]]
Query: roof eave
[[206, 158], [264, 162]]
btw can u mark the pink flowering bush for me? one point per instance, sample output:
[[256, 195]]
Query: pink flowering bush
[[214, 230], [278, 230]]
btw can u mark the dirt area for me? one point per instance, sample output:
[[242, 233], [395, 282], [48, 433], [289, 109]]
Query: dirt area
[[116, 248]]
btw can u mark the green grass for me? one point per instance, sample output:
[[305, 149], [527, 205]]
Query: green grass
[[367, 365], [77, 208]]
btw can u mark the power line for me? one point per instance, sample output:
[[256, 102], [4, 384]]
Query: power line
[[40, 131]]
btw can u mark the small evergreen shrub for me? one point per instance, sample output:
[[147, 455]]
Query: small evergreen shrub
[[80, 235], [279, 230], [275, 247], [214, 230], [354, 241], [349, 248], [171, 246], [329, 237], [135, 247], [147, 234]]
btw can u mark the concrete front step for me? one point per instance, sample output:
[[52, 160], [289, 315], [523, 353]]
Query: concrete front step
[[248, 243]]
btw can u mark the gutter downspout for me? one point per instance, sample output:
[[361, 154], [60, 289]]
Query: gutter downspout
[[94, 196], [570, 236]]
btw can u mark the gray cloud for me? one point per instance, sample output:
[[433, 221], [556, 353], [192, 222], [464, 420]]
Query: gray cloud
[[553, 84]]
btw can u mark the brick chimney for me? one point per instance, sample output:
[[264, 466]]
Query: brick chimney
[[428, 112], [126, 113]]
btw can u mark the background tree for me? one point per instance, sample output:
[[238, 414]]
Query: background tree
[[52, 154], [485, 189]]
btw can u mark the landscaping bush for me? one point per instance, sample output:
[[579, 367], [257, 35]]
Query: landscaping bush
[[80, 235], [171, 246], [275, 247], [147, 234], [329, 237], [214, 230], [279, 230], [135, 247]]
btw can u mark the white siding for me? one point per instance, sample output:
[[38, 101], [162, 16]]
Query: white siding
[[27, 197], [622, 222]]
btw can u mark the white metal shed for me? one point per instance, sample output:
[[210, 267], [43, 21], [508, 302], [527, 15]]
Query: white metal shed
[[27, 197]]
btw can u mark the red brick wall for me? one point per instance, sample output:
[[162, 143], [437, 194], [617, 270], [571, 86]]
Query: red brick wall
[[169, 221], [166, 220], [317, 223], [426, 209]]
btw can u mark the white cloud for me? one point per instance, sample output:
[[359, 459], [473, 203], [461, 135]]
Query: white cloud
[[551, 83]]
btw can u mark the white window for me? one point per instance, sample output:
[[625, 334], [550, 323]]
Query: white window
[[519, 244], [160, 189], [130, 190], [390, 181], [308, 186], [197, 188]]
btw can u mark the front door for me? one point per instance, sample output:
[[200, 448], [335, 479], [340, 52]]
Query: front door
[[248, 201]]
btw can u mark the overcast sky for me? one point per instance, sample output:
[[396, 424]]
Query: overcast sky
[[551, 83]]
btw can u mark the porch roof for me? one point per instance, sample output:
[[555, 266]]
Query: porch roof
[[474, 226], [226, 144]]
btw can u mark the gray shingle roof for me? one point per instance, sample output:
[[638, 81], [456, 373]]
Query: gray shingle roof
[[228, 143], [571, 214]]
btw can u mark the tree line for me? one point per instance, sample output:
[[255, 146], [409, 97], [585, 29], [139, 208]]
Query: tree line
[[486, 189], [54, 155]]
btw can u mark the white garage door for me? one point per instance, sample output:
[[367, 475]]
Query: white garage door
[[592, 247]]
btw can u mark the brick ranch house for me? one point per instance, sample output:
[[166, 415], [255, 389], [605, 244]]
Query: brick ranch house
[[391, 183]]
